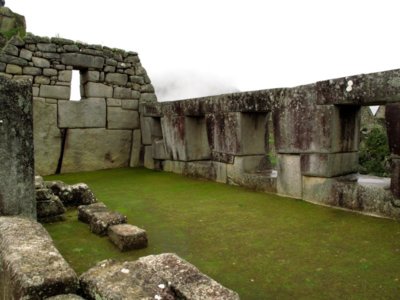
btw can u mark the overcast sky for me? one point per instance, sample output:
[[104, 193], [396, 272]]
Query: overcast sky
[[196, 48]]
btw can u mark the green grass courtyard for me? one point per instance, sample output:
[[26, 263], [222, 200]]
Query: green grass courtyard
[[262, 246]]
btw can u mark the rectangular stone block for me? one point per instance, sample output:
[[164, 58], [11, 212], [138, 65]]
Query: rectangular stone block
[[65, 75], [136, 148], [40, 62], [82, 60], [130, 104], [86, 212], [117, 78], [102, 220], [98, 90], [96, 149], [159, 151], [127, 237], [118, 118], [90, 76], [114, 102], [31, 266], [174, 166], [148, 157], [55, 92], [329, 164], [289, 176], [123, 93], [83, 114], [32, 71]]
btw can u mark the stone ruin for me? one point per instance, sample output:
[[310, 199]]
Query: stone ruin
[[225, 138]]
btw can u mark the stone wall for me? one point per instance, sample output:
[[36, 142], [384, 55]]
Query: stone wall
[[100, 131], [316, 131], [16, 149]]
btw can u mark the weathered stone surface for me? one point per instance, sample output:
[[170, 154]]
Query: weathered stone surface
[[40, 62], [65, 75], [148, 97], [90, 76], [148, 157], [47, 137], [117, 78], [13, 69], [111, 149], [289, 176], [98, 90], [31, 267], [55, 92], [42, 193], [46, 47], [50, 72], [102, 220], [32, 71], [13, 60], [159, 151], [39, 183], [123, 93], [25, 54], [136, 148], [86, 212], [130, 104], [61, 190], [82, 60], [329, 164], [66, 297], [114, 102], [161, 276], [50, 210], [127, 237], [82, 114], [42, 80], [72, 195], [395, 178], [16, 149], [118, 118], [11, 49], [174, 166]]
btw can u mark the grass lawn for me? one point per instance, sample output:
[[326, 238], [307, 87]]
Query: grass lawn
[[260, 245]]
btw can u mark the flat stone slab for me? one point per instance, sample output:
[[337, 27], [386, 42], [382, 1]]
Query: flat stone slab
[[164, 276], [101, 220], [66, 297], [127, 237], [31, 266], [86, 212]]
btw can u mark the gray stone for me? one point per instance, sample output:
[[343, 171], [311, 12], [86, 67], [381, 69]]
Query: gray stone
[[16, 150], [50, 210], [136, 148], [11, 49], [114, 102], [46, 47], [66, 297], [9, 59], [81, 195], [32, 267], [174, 166], [86, 212], [147, 88], [32, 71], [98, 90], [148, 157], [127, 237], [9, 76], [40, 62], [162, 276], [47, 137], [82, 60], [39, 183], [35, 91], [130, 104], [159, 151], [117, 78], [137, 79], [65, 76], [149, 97], [110, 69], [2, 67], [122, 93], [13, 69], [55, 91], [42, 193], [23, 77], [42, 80], [95, 149], [102, 220], [90, 76], [118, 118], [289, 176], [61, 190], [71, 48], [51, 101], [83, 114], [50, 72]]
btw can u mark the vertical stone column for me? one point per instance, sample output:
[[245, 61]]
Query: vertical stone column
[[392, 115], [16, 149]]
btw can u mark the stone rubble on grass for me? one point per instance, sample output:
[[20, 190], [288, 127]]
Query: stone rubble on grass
[[49, 207], [85, 212], [127, 237], [164, 276], [72, 195], [101, 220]]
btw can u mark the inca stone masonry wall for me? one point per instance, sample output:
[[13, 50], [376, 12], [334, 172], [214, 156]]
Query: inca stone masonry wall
[[100, 131]]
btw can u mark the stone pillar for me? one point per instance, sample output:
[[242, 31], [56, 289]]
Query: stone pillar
[[16, 149], [392, 115]]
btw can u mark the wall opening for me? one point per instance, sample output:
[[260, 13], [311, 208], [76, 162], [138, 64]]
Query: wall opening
[[76, 86]]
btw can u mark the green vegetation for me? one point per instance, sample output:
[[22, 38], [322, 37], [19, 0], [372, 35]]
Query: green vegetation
[[260, 245], [374, 152]]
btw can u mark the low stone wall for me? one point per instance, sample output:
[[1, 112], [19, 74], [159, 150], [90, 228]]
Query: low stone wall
[[100, 131], [31, 267]]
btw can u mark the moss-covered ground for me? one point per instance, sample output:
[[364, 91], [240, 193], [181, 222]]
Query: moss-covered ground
[[260, 245]]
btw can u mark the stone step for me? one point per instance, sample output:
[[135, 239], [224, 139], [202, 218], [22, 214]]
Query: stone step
[[127, 237]]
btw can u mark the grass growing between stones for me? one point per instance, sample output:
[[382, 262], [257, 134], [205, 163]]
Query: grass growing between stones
[[260, 245]]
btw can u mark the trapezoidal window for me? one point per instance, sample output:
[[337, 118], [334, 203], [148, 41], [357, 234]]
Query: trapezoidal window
[[76, 86]]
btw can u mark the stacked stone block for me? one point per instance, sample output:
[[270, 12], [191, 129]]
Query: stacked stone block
[[100, 131]]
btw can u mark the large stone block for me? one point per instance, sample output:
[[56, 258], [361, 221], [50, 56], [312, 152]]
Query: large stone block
[[98, 90], [127, 237], [136, 148], [301, 126], [159, 151], [148, 157], [239, 133], [118, 118], [82, 60], [186, 138], [329, 164], [83, 114], [174, 166], [151, 129], [16, 149], [95, 149], [40, 62], [160, 276], [392, 116], [123, 93], [31, 266], [289, 182], [55, 92], [47, 137], [117, 78]]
